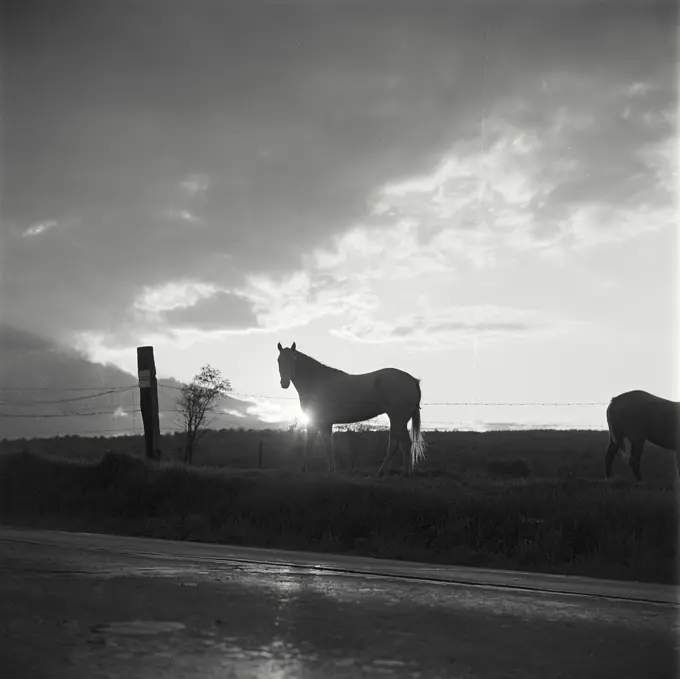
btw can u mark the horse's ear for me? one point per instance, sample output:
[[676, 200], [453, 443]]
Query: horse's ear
[[292, 346], [280, 347]]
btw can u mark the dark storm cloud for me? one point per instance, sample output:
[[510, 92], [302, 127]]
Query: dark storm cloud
[[294, 113], [30, 361], [47, 389]]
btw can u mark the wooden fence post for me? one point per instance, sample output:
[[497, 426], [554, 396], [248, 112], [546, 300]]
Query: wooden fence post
[[148, 401]]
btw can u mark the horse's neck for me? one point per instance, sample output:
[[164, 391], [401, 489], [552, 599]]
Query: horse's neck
[[310, 373]]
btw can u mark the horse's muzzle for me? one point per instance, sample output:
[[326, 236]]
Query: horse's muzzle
[[285, 384]]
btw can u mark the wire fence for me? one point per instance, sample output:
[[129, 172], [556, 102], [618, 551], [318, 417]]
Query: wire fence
[[120, 403], [268, 397]]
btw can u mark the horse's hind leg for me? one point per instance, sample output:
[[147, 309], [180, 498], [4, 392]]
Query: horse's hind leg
[[391, 452], [635, 457], [610, 456], [405, 445]]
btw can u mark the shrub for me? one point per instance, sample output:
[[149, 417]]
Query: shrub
[[116, 468]]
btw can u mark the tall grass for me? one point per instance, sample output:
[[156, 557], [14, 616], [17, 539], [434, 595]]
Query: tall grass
[[565, 525]]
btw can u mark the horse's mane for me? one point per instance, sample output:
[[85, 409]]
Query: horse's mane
[[316, 365]]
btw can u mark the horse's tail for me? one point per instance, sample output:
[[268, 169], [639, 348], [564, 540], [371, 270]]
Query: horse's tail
[[418, 445]]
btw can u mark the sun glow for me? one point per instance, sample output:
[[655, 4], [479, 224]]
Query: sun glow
[[303, 419]]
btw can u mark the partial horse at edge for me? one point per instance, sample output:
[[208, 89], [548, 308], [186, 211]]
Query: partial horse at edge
[[639, 416]]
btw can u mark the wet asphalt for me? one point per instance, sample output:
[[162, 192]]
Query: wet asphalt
[[77, 605]]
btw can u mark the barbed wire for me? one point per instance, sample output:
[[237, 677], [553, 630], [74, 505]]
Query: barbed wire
[[212, 415], [441, 403], [119, 390], [41, 416], [101, 386], [119, 412], [127, 415]]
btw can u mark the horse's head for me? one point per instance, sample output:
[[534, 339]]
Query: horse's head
[[287, 361]]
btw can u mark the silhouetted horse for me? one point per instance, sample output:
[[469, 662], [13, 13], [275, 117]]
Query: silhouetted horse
[[330, 396], [639, 416]]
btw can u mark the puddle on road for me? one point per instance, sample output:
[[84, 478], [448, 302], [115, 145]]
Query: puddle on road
[[52, 571], [127, 570], [138, 627], [201, 656]]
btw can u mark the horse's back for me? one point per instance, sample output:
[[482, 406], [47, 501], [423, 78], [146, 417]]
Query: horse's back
[[378, 382], [393, 374], [392, 380], [642, 401], [639, 414]]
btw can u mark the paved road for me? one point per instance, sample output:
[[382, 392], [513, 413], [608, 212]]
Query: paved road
[[81, 605]]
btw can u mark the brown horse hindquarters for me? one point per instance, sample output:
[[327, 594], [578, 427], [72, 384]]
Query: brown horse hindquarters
[[400, 394]]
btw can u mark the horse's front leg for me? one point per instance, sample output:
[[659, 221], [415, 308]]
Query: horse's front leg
[[329, 447], [310, 434]]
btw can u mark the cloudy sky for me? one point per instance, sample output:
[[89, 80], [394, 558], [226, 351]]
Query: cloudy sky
[[481, 193]]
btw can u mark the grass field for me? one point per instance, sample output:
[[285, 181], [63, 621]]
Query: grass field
[[527, 500]]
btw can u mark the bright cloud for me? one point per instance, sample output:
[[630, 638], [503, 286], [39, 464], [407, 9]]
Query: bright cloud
[[40, 227], [451, 328], [180, 215], [235, 413], [481, 201], [174, 295], [299, 299], [195, 185], [274, 411], [392, 252]]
